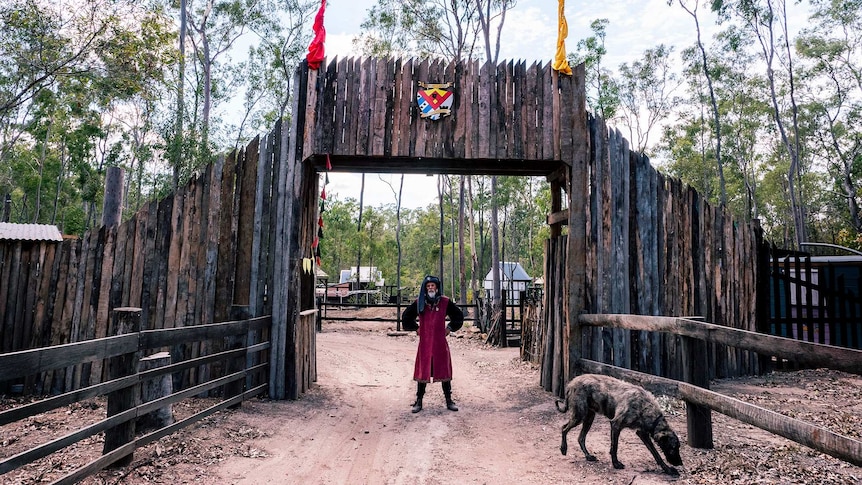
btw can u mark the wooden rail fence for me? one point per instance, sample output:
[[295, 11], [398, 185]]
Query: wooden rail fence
[[697, 394], [244, 358]]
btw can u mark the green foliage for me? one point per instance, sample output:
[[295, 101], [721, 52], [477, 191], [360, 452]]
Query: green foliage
[[602, 89], [524, 203]]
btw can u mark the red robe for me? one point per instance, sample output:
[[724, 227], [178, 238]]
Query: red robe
[[433, 361]]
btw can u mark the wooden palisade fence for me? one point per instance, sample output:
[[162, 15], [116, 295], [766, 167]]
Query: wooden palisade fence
[[242, 380], [184, 260], [650, 246]]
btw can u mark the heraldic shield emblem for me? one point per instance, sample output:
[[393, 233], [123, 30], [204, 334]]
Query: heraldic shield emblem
[[435, 100]]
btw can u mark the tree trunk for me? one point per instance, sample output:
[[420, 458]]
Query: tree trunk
[[462, 263]]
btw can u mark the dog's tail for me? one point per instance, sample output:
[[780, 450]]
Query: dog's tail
[[565, 403]]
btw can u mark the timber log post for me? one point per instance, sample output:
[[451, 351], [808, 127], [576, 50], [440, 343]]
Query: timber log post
[[125, 321]]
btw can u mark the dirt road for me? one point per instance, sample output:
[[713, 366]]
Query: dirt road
[[356, 425]]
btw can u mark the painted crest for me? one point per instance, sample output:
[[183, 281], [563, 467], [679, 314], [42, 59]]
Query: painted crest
[[435, 100]]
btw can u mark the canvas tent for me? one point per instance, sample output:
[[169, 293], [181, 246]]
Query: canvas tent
[[513, 280]]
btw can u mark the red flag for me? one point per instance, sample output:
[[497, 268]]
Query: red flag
[[323, 194], [315, 49], [328, 166]]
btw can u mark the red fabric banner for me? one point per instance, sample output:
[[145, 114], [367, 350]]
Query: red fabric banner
[[315, 49]]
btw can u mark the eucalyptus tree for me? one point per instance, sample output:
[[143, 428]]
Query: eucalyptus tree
[[602, 88], [41, 46], [338, 244], [832, 48], [445, 29], [767, 21], [745, 115], [492, 15], [691, 7], [740, 94], [67, 74], [647, 94], [267, 72]]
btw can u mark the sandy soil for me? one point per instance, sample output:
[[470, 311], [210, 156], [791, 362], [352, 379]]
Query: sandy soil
[[355, 427]]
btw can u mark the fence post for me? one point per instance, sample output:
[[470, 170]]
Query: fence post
[[153, 389], [695, 371], [112, 208], [125, 320], [236, 364]]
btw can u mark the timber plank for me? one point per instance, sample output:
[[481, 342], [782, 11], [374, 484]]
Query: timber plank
[[528, 126], [501, 124], [245, 228], [474, 127], [325, 128], [380, 110], [363, 116], [150, 267], [13, 337], [547, 85], [340, 95], [100, 325], [420, 125], [408, 113], [485, 102], [461, 106], [314, 84], [174, 251], [451, 74], [399, 115], [352, 115], [136, 283]]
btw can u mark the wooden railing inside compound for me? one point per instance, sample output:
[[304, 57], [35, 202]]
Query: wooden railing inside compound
[[700, 400], [244, 359]]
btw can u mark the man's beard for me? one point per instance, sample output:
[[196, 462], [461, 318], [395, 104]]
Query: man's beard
[[432, 295]]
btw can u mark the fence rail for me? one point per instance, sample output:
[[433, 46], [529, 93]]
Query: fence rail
[[698, 393], [245, 376]]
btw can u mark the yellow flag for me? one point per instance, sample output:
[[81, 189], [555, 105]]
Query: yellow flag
[[561, 64]]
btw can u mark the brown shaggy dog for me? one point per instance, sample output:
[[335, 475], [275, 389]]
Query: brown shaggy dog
[[627, 406]]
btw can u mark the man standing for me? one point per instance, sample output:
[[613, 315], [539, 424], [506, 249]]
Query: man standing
[[433, 361]]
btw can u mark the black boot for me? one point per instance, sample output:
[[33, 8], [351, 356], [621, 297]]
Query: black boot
[[447, 392], [420, 391]]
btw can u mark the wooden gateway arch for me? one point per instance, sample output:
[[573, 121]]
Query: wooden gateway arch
[[362, 115]]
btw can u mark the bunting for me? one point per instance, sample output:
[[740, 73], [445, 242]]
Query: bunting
[[561, 64]]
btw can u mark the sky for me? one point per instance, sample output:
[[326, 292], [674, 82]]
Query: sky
[[530, 34]]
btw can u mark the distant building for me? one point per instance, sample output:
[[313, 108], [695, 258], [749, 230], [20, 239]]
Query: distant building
[[369, 277], [29, 232], [513, 280]]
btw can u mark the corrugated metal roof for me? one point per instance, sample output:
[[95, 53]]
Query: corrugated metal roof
[[29, 232]]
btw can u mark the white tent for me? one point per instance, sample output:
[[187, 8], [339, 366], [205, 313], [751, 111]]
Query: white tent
[[513, 280]]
